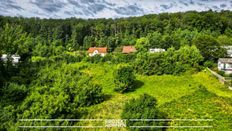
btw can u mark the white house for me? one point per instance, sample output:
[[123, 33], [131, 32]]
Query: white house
[[156, 50], [225, 64], [15, 58], [102, 51]]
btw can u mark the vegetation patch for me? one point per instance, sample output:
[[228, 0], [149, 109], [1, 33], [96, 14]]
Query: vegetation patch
[[201, 104]]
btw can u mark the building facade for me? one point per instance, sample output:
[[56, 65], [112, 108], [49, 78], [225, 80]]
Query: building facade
[[128, 49], [102, 51], [14, 58], [156, 50], [225, 64]]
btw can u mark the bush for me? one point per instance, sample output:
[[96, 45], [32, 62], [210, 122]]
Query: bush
[[15, 92], [171, 62], [124, 78], [148, 64], [72, 58], [145, 107], [60, 92], [89, 95], [230, 75], [209, 64], [222, 73], [93, 59], [209, 47], [123, 58]]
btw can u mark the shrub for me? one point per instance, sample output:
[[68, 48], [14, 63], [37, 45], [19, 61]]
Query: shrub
[[89, 95], [171, 62], [148, 64], [209, 47], [230, 75], [144, 107], [123, 58], [15, 92], [209, 64], [61, 92], [72, 58], [124, 78], [94, 59], [222, 73]]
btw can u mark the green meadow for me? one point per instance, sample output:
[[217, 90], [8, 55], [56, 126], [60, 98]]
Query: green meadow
[[188, 96]]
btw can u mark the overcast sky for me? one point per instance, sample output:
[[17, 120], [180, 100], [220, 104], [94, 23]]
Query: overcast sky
[[105, 8]]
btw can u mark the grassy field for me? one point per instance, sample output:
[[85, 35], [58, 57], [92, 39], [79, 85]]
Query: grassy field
[[194, 96]]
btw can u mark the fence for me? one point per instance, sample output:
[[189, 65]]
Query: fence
[[224, 80], [220, 78]]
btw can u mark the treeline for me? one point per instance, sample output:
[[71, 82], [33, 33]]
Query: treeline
[[175, 29], [52, 40]]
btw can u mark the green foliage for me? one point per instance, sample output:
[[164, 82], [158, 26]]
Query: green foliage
[[8, 117], [88, 95], [144, 107], [224, 40], [115, 58], [211, 107], [209, 64], [148, 63], [94, 59], [47, 38], [189, 56], [44, 49], [14, 92], [209, 47], [124, 78], [222, 73], [14, 40], [155, 40], [163, 30], [46, 103], [43, 86], [171, 62], [142, 44], [170, 41], [60, 93]]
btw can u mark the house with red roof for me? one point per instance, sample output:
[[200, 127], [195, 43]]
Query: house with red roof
[[102, 51], [128, 49]]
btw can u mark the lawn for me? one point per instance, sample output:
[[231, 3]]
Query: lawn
[[188, 96]]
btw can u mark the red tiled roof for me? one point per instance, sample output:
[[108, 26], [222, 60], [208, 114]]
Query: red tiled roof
[[128, 49], [99, 49]]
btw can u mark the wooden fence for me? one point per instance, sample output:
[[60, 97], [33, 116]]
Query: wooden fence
[[220, 78]]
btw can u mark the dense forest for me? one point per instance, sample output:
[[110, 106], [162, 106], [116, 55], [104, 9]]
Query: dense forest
[[45, 84]]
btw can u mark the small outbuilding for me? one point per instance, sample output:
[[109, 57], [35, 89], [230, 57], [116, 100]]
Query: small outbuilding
[[102, 51], [14, 58], [128, 49], [156, 50], [225, 64]]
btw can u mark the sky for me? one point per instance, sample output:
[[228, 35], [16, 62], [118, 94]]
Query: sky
[[105, 8]]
